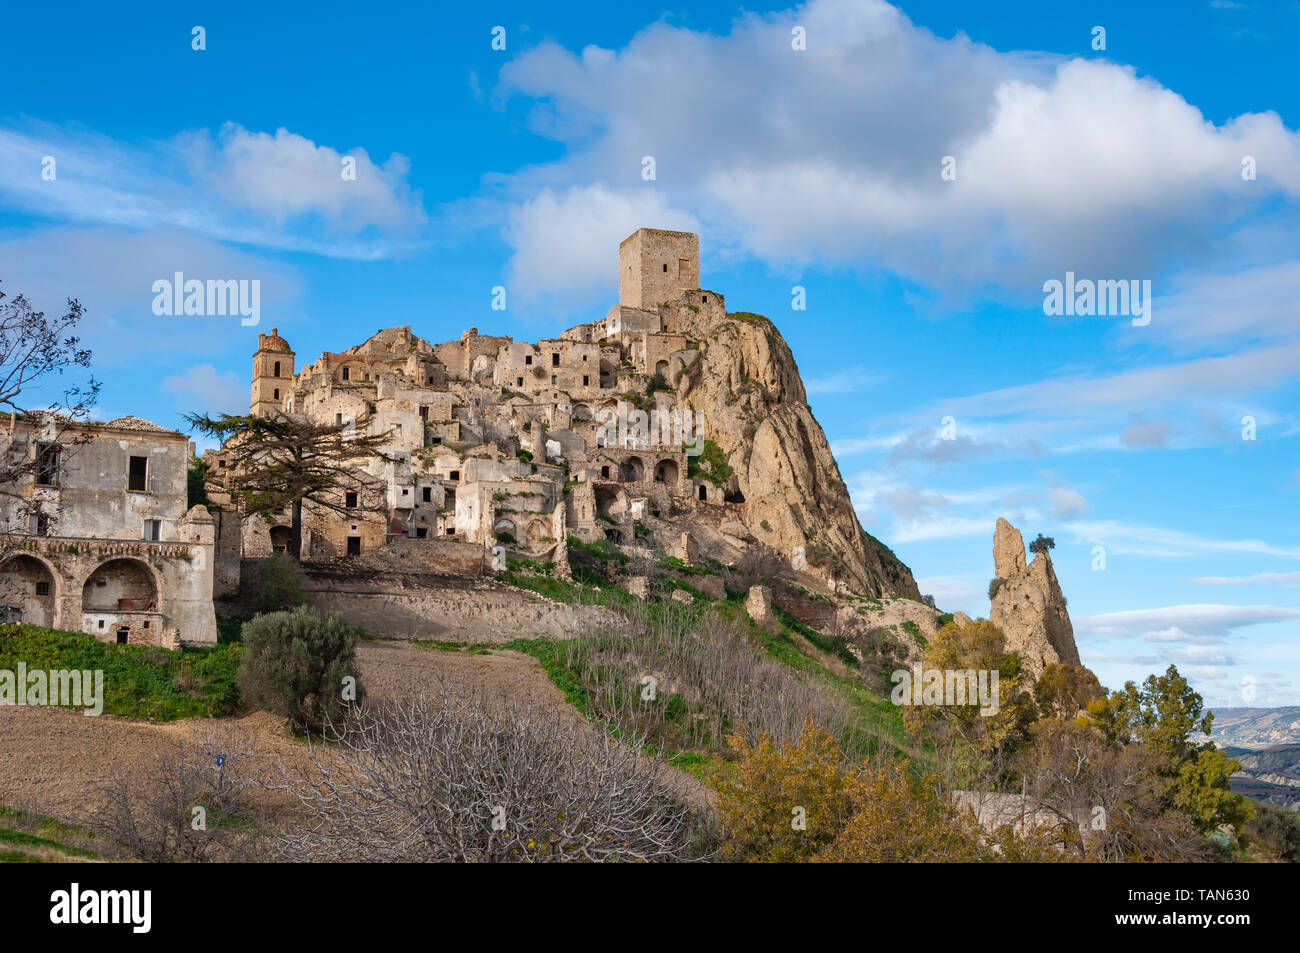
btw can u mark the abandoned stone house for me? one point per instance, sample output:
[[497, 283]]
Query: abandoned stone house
[[98, 536], [496, 440]]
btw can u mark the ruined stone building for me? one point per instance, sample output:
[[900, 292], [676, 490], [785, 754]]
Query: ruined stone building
[[100, 539], [594, 434]]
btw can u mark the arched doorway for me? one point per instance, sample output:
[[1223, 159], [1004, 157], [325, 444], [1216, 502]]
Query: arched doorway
[[27, 592], [120, 585], [666, 472], [661, 368], [280, 539], [704, 494], [632, 470]]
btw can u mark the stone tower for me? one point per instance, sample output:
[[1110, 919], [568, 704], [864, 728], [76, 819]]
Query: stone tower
[[654, 266], [272, 374]]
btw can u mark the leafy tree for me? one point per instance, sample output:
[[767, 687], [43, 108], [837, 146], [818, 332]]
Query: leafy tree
[[295, 664], [271, 584], [1162, 716], [901, 818], [1042, 544], [975, 741], [1278, 829], [784, 803], [281, 462], [197, 483], [1064, 690]]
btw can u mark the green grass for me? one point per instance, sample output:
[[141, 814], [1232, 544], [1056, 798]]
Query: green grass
[[470, 648], [24, 829], [139, 681]]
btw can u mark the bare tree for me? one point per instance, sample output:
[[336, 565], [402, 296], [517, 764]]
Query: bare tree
[[464, 780], [193, 803], [34, 351]]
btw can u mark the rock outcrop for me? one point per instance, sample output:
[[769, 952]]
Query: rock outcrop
[[1028, 605], [747, 387]]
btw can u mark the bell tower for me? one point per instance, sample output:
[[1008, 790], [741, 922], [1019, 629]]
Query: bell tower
[[272, 374]]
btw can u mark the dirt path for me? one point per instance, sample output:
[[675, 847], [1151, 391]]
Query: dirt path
[[53, 761]]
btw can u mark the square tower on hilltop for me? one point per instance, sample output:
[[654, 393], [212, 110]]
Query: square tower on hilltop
[[654, 266]]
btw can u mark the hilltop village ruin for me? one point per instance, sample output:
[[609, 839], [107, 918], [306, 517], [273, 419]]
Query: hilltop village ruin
[[670, 428]]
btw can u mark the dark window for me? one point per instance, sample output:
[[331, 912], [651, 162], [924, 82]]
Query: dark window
[[703, 495], [40, 524], [704, 299], [47, 464], [276, 395], [584, 380], [153, 530], [346, 373], [43, 588], [424, 411], [430, 381], [354, 545], [338, 420], [437, 440], [122, 635], [604, 473], [428, 494], [555, 360], [519, 382], [665, 267], [453, 475], [451, 531], [528, 360], [350, 500], [552, 378], [421, 532], [277, 369], [138, 476]]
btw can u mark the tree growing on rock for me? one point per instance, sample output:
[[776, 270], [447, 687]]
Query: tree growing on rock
[[1042, 544]]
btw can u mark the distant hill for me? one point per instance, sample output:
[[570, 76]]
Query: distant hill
[[1256, 727], [1269, 774]]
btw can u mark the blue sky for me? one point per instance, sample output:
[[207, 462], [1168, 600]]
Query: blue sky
[[818, 168]]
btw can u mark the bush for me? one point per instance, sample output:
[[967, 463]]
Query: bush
[[1277, 828], [994, 585], [295, 664], [271, 585], [457, 779]]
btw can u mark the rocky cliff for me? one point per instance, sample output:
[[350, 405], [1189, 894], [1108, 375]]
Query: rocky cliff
[[1028, 605], [747, 387]]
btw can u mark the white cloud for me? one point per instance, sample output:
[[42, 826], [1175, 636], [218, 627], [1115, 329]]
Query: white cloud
[[1061, 163], [275, 190], [1258, 579], [1135, 540], [1192, 622]]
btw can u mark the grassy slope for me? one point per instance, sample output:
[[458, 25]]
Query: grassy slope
[[139, 681]]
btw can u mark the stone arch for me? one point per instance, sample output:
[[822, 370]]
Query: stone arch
[[22, 579], [661, 368], [537, 531], [667, 472], [614, 535], [505, 525], [281, 536], [610, 501], [632, 470], [581, 412], [119, 584]]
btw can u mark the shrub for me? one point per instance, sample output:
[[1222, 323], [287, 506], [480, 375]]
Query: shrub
[[456, 779], [271, 585], [295, 664], [1277, 828], [994, 585], [785, 802], [1042, 544], [506, 538]]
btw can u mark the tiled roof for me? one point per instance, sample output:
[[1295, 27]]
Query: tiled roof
[[135, 423]]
